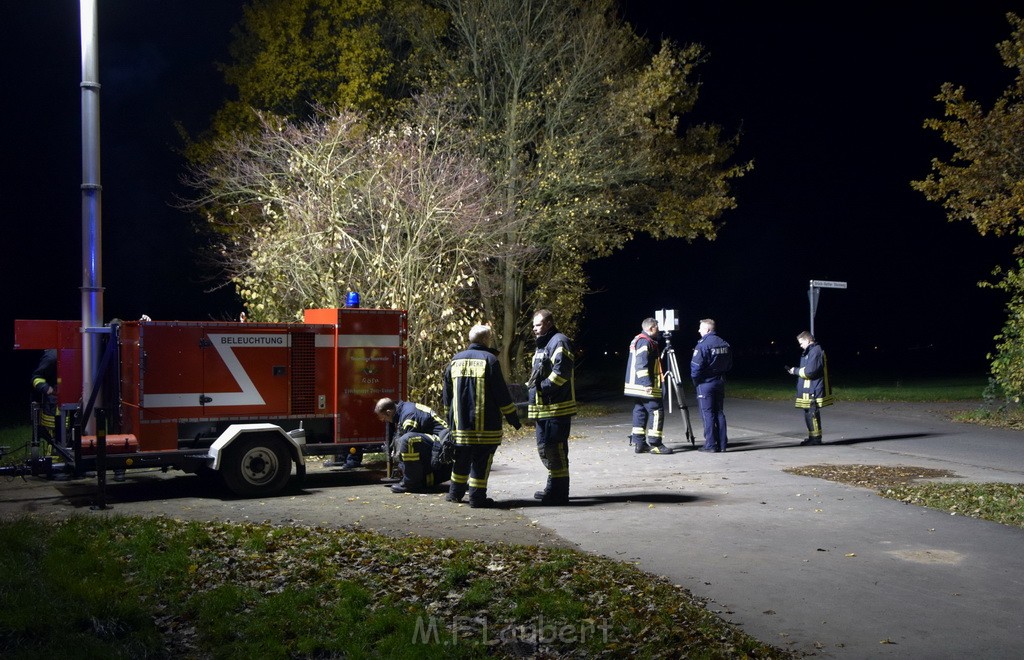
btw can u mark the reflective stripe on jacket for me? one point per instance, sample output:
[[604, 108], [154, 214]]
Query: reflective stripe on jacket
[[643, 370], [477, 397], [417, 418], [812, 382]]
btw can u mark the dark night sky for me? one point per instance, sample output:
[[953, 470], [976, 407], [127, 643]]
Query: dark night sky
[[830, 105]]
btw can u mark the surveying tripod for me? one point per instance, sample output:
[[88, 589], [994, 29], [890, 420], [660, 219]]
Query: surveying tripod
[[676, 386]]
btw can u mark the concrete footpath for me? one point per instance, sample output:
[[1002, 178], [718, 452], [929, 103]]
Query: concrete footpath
[[806, 564]]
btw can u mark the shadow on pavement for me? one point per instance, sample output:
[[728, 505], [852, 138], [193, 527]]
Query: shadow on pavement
[[880, 438], [598, 500], [146, 487], [735, 447], [142, 488]]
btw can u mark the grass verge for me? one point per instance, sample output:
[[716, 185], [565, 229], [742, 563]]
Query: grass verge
[[136, 587], [997, 502], [999, 416]]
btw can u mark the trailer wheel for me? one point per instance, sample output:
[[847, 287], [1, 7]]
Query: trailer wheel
[[256, 467]]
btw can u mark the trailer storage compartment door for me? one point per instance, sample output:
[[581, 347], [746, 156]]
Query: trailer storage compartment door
[[370, 364], [210, 371]]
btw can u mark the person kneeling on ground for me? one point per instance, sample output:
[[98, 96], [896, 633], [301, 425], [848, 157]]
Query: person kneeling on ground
[[421, 432]]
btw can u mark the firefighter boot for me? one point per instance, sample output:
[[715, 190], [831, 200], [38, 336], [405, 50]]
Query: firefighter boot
[[557, 492], [541, 494], [478, 499], [638, 444], [413, 479], [455, 492]]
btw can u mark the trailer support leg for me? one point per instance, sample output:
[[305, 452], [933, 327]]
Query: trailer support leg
[[101, 461]]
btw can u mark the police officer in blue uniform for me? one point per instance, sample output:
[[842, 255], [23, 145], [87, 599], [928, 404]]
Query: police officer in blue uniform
[[712, 358]]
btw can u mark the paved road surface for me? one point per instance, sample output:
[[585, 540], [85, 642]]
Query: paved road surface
[[802, 563]]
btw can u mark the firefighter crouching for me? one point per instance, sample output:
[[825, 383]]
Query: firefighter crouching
[[421, 433], [477, 397]]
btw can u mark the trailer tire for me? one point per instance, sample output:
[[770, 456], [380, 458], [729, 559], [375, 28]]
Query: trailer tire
[[256, 466]]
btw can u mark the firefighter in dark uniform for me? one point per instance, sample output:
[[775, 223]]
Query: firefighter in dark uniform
[[477, 397], [712, 358], [552, 403], [813, 389], [420, 432], [44, 386], [644, 376]]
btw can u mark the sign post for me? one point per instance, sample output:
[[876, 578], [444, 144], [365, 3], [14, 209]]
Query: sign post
[[812, 295]]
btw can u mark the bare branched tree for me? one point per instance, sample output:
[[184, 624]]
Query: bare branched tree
[[560, 123], [578, 125], [321, 208]]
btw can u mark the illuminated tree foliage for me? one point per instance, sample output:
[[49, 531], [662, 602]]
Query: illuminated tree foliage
[[983, 183], [398, 215], [580, 127], [290, 56], [575, 121]]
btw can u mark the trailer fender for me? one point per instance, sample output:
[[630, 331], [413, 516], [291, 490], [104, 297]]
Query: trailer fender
[[236, 431]]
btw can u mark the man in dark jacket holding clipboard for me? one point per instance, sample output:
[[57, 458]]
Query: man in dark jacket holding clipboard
[[813, 390]]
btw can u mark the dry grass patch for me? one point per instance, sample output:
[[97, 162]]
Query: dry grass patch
[[875, 477]]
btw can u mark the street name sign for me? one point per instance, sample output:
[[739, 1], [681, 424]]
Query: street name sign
[[827, 284]]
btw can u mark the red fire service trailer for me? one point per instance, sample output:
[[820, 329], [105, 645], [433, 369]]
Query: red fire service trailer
[[245, 400]]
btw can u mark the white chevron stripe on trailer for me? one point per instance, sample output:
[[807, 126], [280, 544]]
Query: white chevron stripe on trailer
[[225, 345]]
